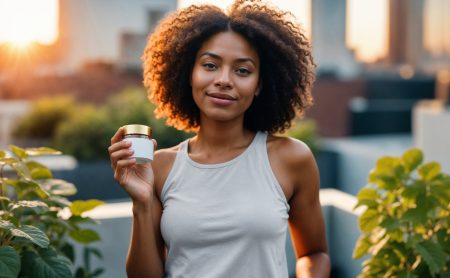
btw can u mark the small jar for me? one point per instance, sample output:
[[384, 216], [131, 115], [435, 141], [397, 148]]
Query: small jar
[[140, 137]]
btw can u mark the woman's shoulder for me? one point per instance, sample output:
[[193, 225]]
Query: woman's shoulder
[[162, 164], [289, 150]]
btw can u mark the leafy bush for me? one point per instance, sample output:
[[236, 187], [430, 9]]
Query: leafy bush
[[37, 220], [132, 107], [405, 226], [87, 131], [306, 131], [44, 117], [86, 135]]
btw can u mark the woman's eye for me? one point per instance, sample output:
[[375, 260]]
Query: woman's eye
[[243, 71], [209, 66]]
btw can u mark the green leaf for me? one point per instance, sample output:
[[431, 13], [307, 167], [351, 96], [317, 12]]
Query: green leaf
[[97, 272], [4, 201], [6, 225], [81, 273], [367, 194], [368, 197], [429, 171], [9, 262], [444, 239], [390, 223], [8, 160], [416, 215], [412, 158], [369, 220], [362, 246], [441, 192], [78, 207], [396, 234], [432, 254], [25, 188], [77, 219], [84, 236], [68, 251], [2, 154], [46, 264], [59, 187], [57, 201], [32, 234], [21, 170], [383, 179], [412, 191], [41, 151], [19, 152], [38, 170], [36, 206]]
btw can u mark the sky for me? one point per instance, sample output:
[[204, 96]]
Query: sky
[[366, 25], [22, 21]]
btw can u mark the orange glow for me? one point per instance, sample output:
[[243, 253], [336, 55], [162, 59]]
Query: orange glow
[[25, 21]]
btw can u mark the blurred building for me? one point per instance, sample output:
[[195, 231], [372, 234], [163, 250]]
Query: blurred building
[[110, 31], [405, 32], [328, 36]]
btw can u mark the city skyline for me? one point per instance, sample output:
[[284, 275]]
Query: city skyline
[[366, 23]]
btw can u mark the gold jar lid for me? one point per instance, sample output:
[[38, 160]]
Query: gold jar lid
[[137, 129]]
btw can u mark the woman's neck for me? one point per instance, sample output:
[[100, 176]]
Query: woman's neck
[[221, 136]]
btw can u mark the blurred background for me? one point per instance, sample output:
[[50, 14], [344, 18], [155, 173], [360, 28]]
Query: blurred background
[[71, 74]]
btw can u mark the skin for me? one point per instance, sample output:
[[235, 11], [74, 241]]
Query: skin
[[225, 79]]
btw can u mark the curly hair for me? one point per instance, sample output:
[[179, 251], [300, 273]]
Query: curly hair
[[286, 67]]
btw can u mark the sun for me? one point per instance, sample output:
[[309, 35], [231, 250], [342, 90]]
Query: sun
[[23, 22]]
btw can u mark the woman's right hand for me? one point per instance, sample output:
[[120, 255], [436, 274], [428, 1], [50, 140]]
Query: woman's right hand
[[136, 179]]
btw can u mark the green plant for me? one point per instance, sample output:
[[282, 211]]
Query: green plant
[[405, 225], [38, 225], [86, 135], [132, 106], [44, 117], [306, 131]]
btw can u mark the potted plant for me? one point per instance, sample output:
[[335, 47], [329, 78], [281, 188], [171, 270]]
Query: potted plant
[[38, 225], [405, 224]]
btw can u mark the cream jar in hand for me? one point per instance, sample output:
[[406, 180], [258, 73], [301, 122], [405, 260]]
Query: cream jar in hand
[[140, 137]]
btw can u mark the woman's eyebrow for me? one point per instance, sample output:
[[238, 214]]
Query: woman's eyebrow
[[218, 57]]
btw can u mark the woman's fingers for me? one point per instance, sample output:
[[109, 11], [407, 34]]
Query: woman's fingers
[[118, 136], [119, 145]]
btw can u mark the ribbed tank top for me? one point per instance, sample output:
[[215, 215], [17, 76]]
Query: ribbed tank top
[[224, 220]]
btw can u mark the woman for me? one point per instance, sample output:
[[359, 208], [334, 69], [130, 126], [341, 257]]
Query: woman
[[219, 204]]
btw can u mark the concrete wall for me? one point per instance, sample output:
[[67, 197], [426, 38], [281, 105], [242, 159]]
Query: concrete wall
[[431, 131]]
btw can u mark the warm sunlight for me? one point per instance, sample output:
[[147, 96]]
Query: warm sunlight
[[26, 21]]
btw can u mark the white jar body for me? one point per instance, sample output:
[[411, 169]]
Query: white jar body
[[143, 148]]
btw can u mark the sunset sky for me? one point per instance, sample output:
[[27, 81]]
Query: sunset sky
[[23, 21]]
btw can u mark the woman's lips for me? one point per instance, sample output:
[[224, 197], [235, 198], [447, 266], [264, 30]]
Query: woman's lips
[[221, 98]]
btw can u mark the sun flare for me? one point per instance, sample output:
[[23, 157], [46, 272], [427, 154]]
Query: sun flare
[[23, 22]]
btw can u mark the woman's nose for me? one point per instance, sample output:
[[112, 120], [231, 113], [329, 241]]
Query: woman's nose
[[223, 80]]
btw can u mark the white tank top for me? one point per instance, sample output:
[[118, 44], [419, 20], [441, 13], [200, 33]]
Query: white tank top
[[225, 220]]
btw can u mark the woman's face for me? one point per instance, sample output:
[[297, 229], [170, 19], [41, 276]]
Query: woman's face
[[225, 77]]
